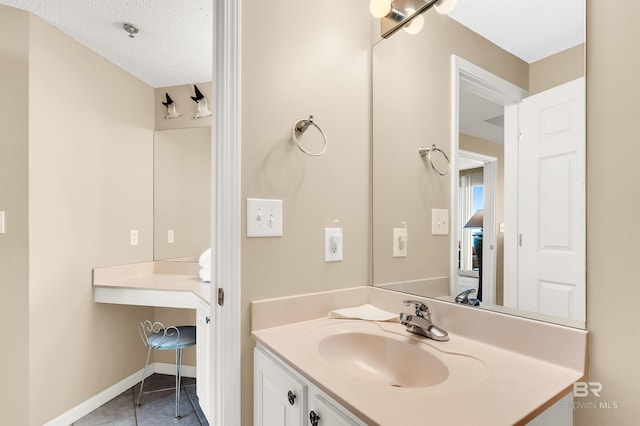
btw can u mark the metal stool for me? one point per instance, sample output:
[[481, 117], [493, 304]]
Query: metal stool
[[156, 336]]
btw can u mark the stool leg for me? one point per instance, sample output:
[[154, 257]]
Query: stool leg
[[178, 371], [144, 375]]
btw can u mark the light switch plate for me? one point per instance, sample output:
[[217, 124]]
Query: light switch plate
[[264, 218], [439, 222], [399, 242], [333, 241], [2, 222]]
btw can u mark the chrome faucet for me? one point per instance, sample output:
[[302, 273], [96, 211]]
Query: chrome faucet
[[420, 322], [464, 298]]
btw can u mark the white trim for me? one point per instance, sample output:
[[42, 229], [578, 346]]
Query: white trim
[[170, 369], [226, 231], [489, 255], [491, 87], [86, 407], [510, 239]]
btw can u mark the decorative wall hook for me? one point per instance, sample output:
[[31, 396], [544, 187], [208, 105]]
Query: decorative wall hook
[[201, 100], [171, 108]]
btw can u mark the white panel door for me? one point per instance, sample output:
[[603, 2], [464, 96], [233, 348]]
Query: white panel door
[[551, 206]]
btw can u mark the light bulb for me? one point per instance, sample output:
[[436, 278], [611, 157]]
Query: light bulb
[[445, 7], [380, 8], [415, 25]]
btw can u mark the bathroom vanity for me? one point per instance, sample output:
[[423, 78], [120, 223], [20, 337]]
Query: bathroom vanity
[[317, 370], [282, 396], [169, 285]]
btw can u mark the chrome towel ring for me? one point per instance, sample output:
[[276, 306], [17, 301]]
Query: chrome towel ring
[[425, 151], [299, 127]]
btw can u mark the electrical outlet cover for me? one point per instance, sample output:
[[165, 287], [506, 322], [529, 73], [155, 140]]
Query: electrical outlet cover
[[399, 242], [333, 242]]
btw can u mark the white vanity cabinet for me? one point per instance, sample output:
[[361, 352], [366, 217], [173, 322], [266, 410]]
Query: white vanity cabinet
[[203, 350], [284, 398]]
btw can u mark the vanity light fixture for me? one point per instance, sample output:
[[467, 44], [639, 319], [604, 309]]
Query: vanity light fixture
[[415, 25], [407, 14], [131, 29]]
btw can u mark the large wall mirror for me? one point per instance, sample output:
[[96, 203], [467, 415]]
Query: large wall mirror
[[511, 122], [181, 193]]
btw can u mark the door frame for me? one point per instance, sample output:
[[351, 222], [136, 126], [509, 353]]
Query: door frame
[[489, 244], [226, 202], [495, 89]]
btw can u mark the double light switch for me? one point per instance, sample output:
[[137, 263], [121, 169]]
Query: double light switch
[[264, 218]]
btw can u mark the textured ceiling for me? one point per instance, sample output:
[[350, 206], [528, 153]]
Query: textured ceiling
[[174, 44], [173, 47], [529, 29]]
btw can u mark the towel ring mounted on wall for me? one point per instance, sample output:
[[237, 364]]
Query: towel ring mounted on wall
[[299, 127], [424, 151]]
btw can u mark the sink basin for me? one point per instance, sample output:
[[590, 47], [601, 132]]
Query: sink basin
[[384, 354], [383, 359]]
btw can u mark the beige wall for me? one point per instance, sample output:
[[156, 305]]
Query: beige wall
[[556, 69], [411, 108], [613, 108], [301, 58], [90, 170], [14, 244], [182, 192], [481, 146], [79, 155]]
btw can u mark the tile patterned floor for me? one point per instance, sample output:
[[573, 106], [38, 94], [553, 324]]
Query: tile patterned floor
[[157, 406]]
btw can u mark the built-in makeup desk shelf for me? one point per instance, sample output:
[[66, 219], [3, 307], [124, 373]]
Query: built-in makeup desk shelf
[[162, 284]]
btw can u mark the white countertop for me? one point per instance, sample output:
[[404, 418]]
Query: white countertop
[[520, 381]]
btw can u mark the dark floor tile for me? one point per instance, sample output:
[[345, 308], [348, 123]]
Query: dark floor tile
[[158, 409], [193, 396], [119, 411], [157, 382]]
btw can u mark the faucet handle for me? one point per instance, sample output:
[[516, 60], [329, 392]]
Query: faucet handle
[[420, 307], [463, 298]]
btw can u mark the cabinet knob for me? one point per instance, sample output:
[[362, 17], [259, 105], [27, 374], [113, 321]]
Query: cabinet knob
[[292, 397], [207, 319], [314, 418]]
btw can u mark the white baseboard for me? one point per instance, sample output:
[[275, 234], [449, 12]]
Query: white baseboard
[[81, 410], [165, 368]]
